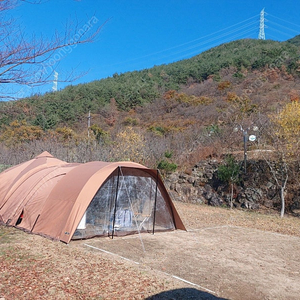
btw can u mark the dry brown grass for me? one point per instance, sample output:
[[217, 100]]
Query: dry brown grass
[[32, 267], [202, 216]]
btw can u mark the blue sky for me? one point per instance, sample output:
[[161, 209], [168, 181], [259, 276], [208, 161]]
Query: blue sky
[[140, 34]]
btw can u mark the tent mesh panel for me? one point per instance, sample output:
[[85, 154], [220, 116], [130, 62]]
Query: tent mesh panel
[[127, 210]]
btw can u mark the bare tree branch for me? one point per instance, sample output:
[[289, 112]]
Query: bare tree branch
[[30, 62]]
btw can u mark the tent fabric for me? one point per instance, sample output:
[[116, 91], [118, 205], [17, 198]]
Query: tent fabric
[[50, 197], [17, 181]]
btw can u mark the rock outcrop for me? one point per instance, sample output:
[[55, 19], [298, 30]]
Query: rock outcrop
[[257, 187]]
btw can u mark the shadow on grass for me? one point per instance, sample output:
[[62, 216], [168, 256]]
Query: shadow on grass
[[184, 293]]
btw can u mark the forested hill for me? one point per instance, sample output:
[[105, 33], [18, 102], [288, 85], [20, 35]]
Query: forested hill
[[132, 89], [295, 40]]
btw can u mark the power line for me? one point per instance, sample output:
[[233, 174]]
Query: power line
[[281, 32], [283, 20], [242, 29], [192, 41], [215, 42], [295, 31]]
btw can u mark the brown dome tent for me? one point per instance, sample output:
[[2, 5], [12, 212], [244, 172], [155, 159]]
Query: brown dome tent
[[67, 201]]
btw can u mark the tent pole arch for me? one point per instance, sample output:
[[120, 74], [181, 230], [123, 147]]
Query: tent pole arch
[[115, 207], [171, 197], [35, 222], [155, 201]]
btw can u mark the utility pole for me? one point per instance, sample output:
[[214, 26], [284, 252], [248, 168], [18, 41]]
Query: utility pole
[[89, 124], [261, 35]]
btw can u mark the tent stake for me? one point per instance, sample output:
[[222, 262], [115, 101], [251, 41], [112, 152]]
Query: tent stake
[[154, 213], [115, 208]]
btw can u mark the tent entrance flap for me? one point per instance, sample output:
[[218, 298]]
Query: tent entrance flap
[[128, 202]]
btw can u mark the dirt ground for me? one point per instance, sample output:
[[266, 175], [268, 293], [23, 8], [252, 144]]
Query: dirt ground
[[227, 259], [229, 262], [225, 254]]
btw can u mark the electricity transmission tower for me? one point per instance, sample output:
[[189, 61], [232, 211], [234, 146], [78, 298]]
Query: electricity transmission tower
[[54, 87], [261, 35]]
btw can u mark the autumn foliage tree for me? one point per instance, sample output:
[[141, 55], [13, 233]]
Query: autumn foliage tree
[[288, 128], [284, 134], [20, 132], [129, 145]]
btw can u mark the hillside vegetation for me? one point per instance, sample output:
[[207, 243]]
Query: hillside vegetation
[[132, 89], [169, 116]]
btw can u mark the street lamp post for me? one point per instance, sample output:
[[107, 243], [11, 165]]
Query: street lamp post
[[245, 137], [252, 138]]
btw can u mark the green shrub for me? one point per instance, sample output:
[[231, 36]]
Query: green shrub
[[131, 121], [230, 171], [168, 154], [166, 166]]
